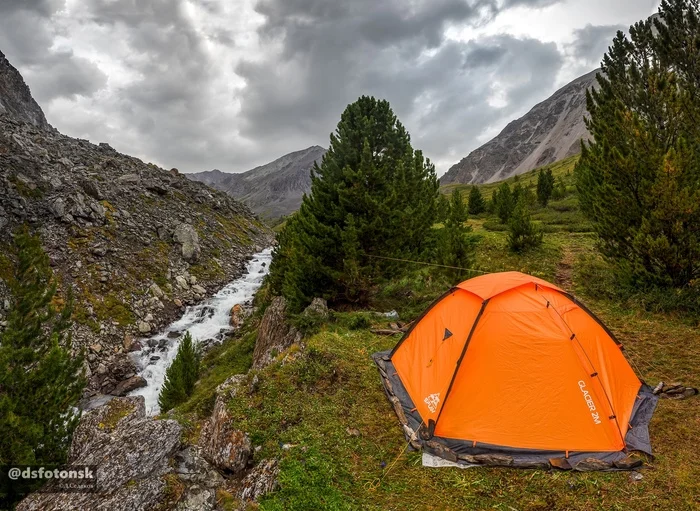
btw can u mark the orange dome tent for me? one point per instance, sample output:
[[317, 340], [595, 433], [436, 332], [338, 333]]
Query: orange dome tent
[[509, 369]]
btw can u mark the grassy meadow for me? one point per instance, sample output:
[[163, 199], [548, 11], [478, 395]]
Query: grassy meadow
[[322, 410]]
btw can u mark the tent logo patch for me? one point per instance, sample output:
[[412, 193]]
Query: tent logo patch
[[432, 401], [589, 402]]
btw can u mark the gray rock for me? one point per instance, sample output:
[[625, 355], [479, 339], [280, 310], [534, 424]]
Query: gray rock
[[187, 236], [190, 466], [156, 291], [592, 464], [91, 189], [129, 179], [58, 207], [199, 499], [261, 480], [182, 282], [144, 327], [126, 386], [318, 307], [274, 334], [118, 439], [222, 445], [199, 289]]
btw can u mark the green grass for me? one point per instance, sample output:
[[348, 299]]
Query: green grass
[[301, 412], [305, 411], [563, 169], [235, 356]]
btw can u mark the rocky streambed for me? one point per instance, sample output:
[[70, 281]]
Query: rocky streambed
[[208, 323]]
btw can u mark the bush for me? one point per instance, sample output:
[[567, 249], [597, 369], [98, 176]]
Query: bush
[[308, 324], [358, 321], [522, 232]]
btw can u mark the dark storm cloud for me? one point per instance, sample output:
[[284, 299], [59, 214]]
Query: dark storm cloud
[[52, 72], [530, 3], [169, 99], [68, 76], [333, 52], [172, 96], [591, 42], [41, 7]]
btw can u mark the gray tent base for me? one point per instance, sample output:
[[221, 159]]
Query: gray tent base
[[468, 453]]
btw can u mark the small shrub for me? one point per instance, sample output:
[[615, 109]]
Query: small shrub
[[308, 324], [358, 321], [522, 232]]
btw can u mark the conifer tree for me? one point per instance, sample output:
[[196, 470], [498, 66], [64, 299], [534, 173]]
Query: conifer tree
[[442, 208], [477, 204], [40, 378], [503, 202], [559, 191], [518, 192], [371, 183], [181, 376], [522, 232], [545, 186], [456, 247], [639, 179]]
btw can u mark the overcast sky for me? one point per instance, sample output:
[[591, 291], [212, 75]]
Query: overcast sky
[[203, 84]]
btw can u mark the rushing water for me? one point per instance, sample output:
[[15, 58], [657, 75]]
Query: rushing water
[[207, 322]]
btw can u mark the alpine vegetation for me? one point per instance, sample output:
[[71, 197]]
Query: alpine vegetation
[[372, 195], [41, 379], [639, 180], [181, 376]]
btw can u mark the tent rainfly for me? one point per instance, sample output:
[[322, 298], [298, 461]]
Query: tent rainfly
[[508, 369]]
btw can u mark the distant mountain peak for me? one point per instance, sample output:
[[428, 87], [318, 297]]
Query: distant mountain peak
[[272, 190], [15, 97], [550, 132]]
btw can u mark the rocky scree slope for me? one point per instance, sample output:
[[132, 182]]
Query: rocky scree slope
[[203, 464], [273, 190], [550, 132], [135, 242]]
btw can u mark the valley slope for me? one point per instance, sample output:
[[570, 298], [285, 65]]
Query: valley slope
[[136, 243], [550, 132], [272, 190]]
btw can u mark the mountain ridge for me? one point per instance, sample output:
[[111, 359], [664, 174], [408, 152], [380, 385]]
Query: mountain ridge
[[272, 190], [16, 98], [549, 132], [134, 242]]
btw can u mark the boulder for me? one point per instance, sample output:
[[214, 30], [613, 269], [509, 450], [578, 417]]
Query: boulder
[[222, 445], [129, 179], [236, 316], [187, 236], [91, 189], [118, 439], [261, 480], [318, 307], [144, 327], [274, 335], [126, 386], [156, 291]]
